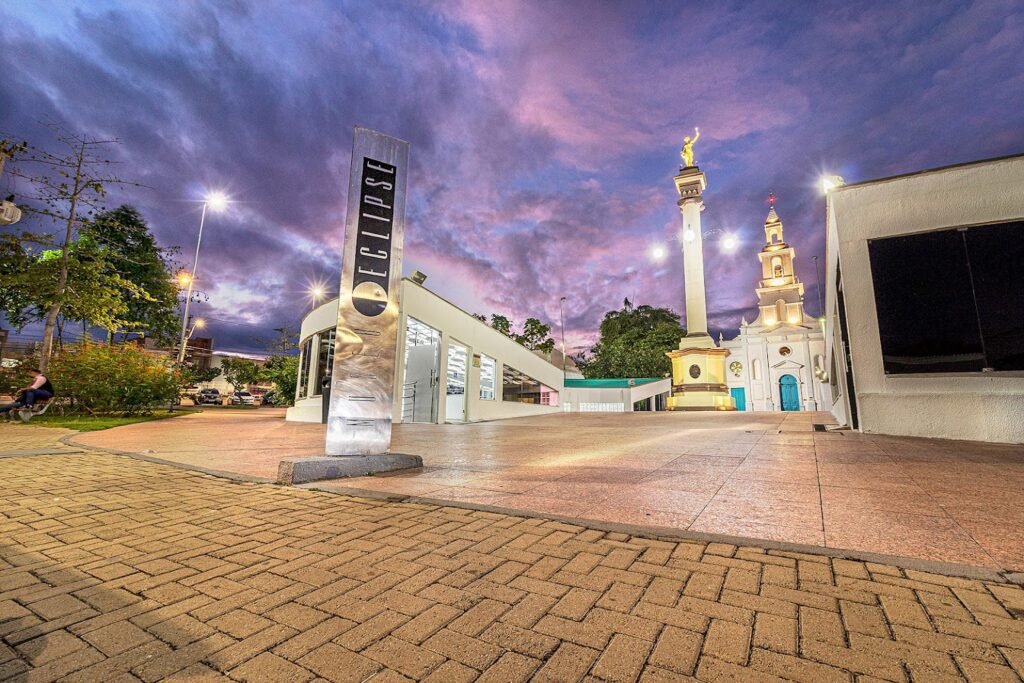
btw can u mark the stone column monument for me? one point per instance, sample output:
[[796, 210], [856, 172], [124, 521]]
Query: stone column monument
[[698, 366]]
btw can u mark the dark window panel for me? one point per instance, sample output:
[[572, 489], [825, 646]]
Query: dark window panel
[[926, 314], [997, 267]]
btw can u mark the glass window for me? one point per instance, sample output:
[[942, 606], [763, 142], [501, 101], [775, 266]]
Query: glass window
[[950, 300], [519, 387], [307, 349], [487, 368], [996, 253], [324, 358]]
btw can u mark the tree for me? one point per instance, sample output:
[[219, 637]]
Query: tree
[[283, 371], [481, 317], [199, 375], [501, 324], [286, 341], [535, 336], [94, 293], [132, 253], [633, 343], [239, 372], [68, 189]]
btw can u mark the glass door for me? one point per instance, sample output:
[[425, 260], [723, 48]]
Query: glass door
[[421, 379], [455, 394]]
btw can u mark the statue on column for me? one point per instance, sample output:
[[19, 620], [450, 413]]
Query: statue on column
[[687, 152]]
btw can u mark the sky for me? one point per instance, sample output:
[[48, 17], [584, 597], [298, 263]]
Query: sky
[[544, 135]]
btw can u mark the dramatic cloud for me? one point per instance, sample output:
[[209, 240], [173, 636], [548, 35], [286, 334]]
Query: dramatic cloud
[[544, 135]]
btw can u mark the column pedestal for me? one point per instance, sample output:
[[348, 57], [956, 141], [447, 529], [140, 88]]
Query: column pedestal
[[698, 376]]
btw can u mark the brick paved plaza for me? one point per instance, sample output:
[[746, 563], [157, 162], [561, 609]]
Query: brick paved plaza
[[113, 569], [748, 475]]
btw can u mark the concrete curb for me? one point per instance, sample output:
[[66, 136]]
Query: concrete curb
[[660, 533], [305, 470]]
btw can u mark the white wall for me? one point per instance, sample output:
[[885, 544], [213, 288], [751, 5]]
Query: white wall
[[762, 393], [462, 328], [977, 406], [456, 326]]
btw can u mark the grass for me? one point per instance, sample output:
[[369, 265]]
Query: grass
[[91, 423]]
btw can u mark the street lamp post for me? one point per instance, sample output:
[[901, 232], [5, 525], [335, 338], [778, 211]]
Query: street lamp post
[[561, 321], [217, 202]]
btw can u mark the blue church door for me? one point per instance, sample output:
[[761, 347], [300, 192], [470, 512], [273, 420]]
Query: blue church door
[[789, 393], [739, 394]]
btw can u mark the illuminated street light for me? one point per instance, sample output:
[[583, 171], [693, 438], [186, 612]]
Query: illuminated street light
[[658, 253], [216, 201], [184, 279], [831, 182], [728, 243]]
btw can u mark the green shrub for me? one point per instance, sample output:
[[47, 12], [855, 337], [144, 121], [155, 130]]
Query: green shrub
[[15, 377], [283, 371], [114, 379]]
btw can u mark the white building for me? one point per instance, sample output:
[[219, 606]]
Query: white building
[[616, 395], [925, 301], [452, 367], [775, 362]]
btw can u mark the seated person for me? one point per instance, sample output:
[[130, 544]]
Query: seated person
[[39, 389]]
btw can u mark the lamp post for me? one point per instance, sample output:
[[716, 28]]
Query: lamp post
[[561, 321], [217, 202]]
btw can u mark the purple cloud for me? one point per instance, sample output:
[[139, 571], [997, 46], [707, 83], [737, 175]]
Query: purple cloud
[[544, 136]]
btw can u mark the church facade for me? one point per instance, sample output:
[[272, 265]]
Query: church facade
[[777, 361]]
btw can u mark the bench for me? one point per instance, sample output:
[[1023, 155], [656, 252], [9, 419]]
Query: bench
[[27, 413]]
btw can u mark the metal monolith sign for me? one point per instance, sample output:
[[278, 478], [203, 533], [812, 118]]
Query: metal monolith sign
[[362, 388]]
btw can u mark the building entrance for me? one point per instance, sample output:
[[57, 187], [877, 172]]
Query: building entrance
[[739, 394], [789, 393], [422, 370]]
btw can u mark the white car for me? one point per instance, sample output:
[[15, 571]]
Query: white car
[[242, 398]]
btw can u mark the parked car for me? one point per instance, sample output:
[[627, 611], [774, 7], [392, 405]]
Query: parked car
[[268, 398], [242, 398], [208, 397]]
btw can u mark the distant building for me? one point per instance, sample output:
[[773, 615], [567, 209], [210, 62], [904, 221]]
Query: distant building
[[925, 301], [216, 358], [776, 362], [451, 366]]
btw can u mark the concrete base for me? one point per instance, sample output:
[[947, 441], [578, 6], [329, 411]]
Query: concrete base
[[303, 470]]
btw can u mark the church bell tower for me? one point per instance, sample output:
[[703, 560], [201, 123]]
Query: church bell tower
[[780, 294]]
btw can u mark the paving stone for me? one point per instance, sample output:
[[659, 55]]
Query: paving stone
[[411, 660], [199, 579], [117, 638], [339, 665]]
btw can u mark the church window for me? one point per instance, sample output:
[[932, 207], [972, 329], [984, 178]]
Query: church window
[[776, 266], [785, 351], [755, 368]]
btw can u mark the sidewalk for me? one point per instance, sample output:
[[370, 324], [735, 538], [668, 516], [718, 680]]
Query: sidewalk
[[113, 569], [768, 476]]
